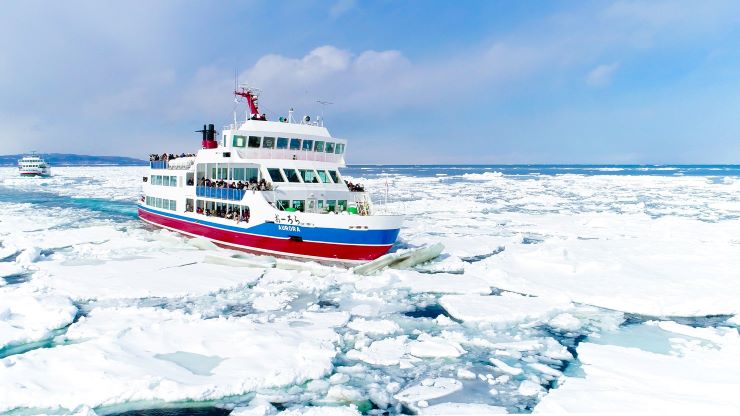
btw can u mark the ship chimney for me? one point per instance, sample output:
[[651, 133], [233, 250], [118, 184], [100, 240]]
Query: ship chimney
[[209, 137]]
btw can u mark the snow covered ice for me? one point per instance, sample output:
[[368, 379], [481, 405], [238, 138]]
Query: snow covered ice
[[557, 290]]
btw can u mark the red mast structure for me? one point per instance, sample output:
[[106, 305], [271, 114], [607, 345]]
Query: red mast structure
[[251, 96]]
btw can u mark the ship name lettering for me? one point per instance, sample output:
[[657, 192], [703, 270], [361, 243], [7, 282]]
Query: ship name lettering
[[289, 228]]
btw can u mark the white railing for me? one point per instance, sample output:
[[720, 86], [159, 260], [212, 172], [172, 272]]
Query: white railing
[[260, 153]]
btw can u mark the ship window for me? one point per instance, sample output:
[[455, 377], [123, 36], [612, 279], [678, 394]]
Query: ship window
[[282, 204], [330, 204], [251, 174], [268, 142], [339, 149], [219, 173], [282, 143], [238, 174], [292, 175], [158, 202], [324, 176], [329, 147], [309, 176], [173, 205], [173, 180], [275, 175], [239, 141], [334, 176], [299, 204], [342, 205], [254, 141], [318, 147], [307, 145], [295, 144], [320, 204]]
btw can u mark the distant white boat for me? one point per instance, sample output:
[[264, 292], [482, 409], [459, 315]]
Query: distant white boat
[[33, 165]]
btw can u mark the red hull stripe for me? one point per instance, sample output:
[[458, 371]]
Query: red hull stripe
[[283, 246]]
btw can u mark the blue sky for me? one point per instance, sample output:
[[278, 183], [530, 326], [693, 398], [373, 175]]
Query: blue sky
[[411, 81]]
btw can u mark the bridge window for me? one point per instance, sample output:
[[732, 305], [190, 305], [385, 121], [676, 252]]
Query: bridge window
[[307, 145], [295, 144], [275, 175], [239, 141], [324, 176], [282, 143], [331, 204], [318, 147], [339, 149], [282, 204], [268, 142], [299, 205], [254, 141], [329, 147], [342, 205], [334, 176], [292, 175], [309, 176]]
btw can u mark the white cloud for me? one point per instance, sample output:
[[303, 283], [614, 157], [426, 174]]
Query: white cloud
[[601, 76]]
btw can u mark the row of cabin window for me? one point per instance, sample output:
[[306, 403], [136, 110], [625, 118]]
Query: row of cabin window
[[286, 143], [164, 180], [235, 174], [305, 175], [161, 203], [330, 205]]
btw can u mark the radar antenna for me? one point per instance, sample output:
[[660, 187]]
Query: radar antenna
[[323, 105]]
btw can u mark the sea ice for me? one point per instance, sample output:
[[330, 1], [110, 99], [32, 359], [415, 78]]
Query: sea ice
[[500, 310], [174, 275], [378, 327], [144, 354], [700, 379], [27, 315], [429, 389]]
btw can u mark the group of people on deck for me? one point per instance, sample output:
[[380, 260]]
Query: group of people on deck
[[354, 187], [229, 214], [252, 185], [164, 156]]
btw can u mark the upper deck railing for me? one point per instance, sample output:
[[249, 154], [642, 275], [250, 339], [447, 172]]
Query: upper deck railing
[[288, 154], [178, 163], [229, 194]]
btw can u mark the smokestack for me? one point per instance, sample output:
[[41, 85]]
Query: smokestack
[[211, 132]]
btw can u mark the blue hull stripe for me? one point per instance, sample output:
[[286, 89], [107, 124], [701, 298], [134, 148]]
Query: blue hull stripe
[[327, 235]]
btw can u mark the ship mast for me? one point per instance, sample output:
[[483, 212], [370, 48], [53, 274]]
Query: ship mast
[[251, 95]]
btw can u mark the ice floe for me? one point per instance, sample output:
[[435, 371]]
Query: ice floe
[[27, 315], [117, 355], [501, 310]]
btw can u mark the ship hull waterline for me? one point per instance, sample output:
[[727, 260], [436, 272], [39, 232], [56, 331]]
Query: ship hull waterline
[[323, 252]]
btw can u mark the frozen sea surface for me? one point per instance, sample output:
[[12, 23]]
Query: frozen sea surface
[[561, 289]]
